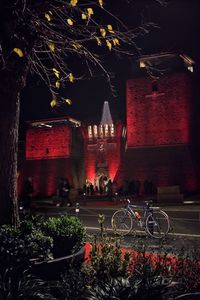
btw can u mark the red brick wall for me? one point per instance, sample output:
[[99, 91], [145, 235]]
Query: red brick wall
[[48, 143], [48, 153], [45, 174], [162, 119], [167, 165]]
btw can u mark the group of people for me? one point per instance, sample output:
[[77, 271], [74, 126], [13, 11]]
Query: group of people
[[105, 186], [62, 193], [134, 187], [109, 188]]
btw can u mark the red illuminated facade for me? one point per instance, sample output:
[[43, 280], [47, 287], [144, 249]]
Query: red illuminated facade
[[162, 117], [50, 154], [154, 143], [48, 142], [159, 117], [102, 151]]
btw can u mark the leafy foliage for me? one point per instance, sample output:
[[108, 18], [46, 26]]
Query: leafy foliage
[[116, 289], [106, 259], [67, 232], [22, 287], [46, 35]]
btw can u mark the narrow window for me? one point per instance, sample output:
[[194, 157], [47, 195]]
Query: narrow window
[[106, 130], [101, 131], [90, 132], [112, 130], [95, 131]]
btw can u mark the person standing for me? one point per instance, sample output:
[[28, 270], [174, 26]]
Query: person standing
[[27, 194], [64, 190]]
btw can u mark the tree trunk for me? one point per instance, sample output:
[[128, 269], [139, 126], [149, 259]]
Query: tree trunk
[[10, 86]]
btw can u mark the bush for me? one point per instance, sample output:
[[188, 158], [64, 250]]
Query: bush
[[67, 232], [19, 246]]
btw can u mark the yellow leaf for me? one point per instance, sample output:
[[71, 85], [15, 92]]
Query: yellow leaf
[[53, 103], [51, 47], [110, 29], [48, 15], [56, 72], [98, 41], [76, 45], [68, 101], [73, 2], [71, 77], [83, 16], [116, 42], [70, 22], [103, 32], [90, 11], [57, 84], [108, 43], [18, 51], [101, 3]]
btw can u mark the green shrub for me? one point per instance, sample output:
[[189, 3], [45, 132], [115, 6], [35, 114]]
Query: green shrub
[[12, 248], [18, 247], [67, 232]]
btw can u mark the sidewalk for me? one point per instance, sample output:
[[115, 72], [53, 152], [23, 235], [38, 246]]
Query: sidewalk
[[111, 205]]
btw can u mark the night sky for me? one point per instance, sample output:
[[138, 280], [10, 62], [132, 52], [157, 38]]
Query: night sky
[[179, 28]]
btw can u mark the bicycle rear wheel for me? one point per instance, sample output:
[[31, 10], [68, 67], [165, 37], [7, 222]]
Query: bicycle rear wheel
[[157, 224], [122, 222]]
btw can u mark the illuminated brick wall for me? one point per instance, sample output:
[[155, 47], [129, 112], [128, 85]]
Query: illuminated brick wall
[[159, 132], [48, 157], [48, 143], [160, 118], [164, 166], [46, 174]]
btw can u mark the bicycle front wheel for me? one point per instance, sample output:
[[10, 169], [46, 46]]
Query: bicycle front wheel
[[122, 222], [157, 224]]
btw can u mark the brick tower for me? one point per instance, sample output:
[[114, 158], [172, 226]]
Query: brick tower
[[159, 100]]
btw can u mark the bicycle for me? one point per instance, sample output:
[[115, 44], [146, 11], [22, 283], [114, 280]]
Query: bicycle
[[153, 220]]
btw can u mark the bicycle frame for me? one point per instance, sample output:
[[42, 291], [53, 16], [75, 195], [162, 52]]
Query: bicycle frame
[[147, 210]]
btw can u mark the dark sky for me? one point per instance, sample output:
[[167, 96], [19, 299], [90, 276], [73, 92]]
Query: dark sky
[[179, 29]]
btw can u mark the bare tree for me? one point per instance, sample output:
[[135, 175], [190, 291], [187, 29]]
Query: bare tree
[[41, 36]]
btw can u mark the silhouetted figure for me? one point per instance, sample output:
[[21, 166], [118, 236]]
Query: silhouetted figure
[[91, 189], [131, 187], [146, 187], [84, 188], [27, 193], [125, 188], [114, 187], [64, 189], [109, 188], [137, 187]]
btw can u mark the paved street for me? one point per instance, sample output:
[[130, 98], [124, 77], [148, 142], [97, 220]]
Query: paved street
[[185, 223]]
